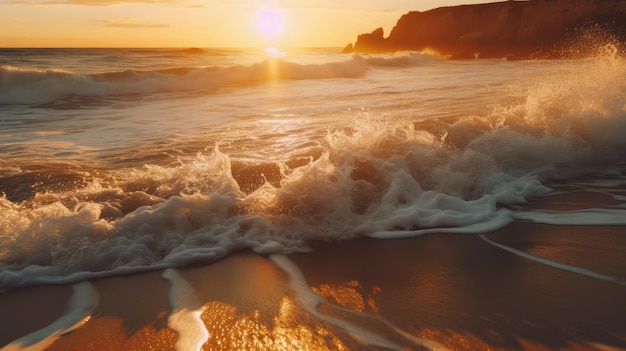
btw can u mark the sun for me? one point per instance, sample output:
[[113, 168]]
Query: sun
[[270, 23]]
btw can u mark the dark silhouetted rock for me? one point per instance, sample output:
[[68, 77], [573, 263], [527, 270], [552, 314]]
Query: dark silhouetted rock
[[374, 41], [512, 29]]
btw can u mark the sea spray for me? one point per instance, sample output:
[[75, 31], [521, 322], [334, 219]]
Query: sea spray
[[384, 146]]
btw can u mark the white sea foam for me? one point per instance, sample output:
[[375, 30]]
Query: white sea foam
[[185, 315], [565, 267], [78, 312], [580, 217], [310, 301], [418, 166]]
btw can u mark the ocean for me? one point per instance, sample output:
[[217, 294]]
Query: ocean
[[120, 161], [123, 160]]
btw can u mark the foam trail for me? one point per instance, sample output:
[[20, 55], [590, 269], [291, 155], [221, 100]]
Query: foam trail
[[553, 264], [581, 217], [431, 345], [186, 311], [501, 220], [606, 191], [310, 300], [79, 309]]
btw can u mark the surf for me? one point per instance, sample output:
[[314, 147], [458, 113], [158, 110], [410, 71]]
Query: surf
[[275, 182], [32, 85]]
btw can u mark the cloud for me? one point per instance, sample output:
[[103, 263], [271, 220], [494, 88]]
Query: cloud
[[129, 22], [90, 2]]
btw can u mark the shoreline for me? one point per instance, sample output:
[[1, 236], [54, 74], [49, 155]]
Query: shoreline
[[452, 289]]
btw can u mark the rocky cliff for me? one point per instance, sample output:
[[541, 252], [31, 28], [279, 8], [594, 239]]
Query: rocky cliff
[[512, 29]]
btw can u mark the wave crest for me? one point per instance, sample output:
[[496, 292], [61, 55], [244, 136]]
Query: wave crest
[[373, 178], [32, 85]]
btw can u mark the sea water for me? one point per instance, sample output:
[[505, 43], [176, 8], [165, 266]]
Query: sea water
[[126, 160]]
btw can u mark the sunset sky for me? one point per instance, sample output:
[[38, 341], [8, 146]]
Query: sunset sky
[[195, 23]]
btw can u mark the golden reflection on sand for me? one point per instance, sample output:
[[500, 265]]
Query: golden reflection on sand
[[455, 341], [231, 330], [228, 330], [288, 329], [349, 294], [108, 333]]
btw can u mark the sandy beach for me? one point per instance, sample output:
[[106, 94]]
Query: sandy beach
[[455, 290]]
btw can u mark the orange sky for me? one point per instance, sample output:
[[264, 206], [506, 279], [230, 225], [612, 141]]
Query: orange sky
[[195, 23]]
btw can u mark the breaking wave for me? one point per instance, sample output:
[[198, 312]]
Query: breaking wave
[[381, 179], [20, 85]]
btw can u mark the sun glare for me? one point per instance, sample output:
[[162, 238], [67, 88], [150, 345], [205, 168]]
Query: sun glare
[[270, 23], [274, 52]]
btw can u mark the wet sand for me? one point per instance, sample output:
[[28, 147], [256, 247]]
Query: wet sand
[[465, 294], [456, 290]]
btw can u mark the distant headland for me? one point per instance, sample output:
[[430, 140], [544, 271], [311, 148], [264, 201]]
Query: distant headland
[[509, 29]]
